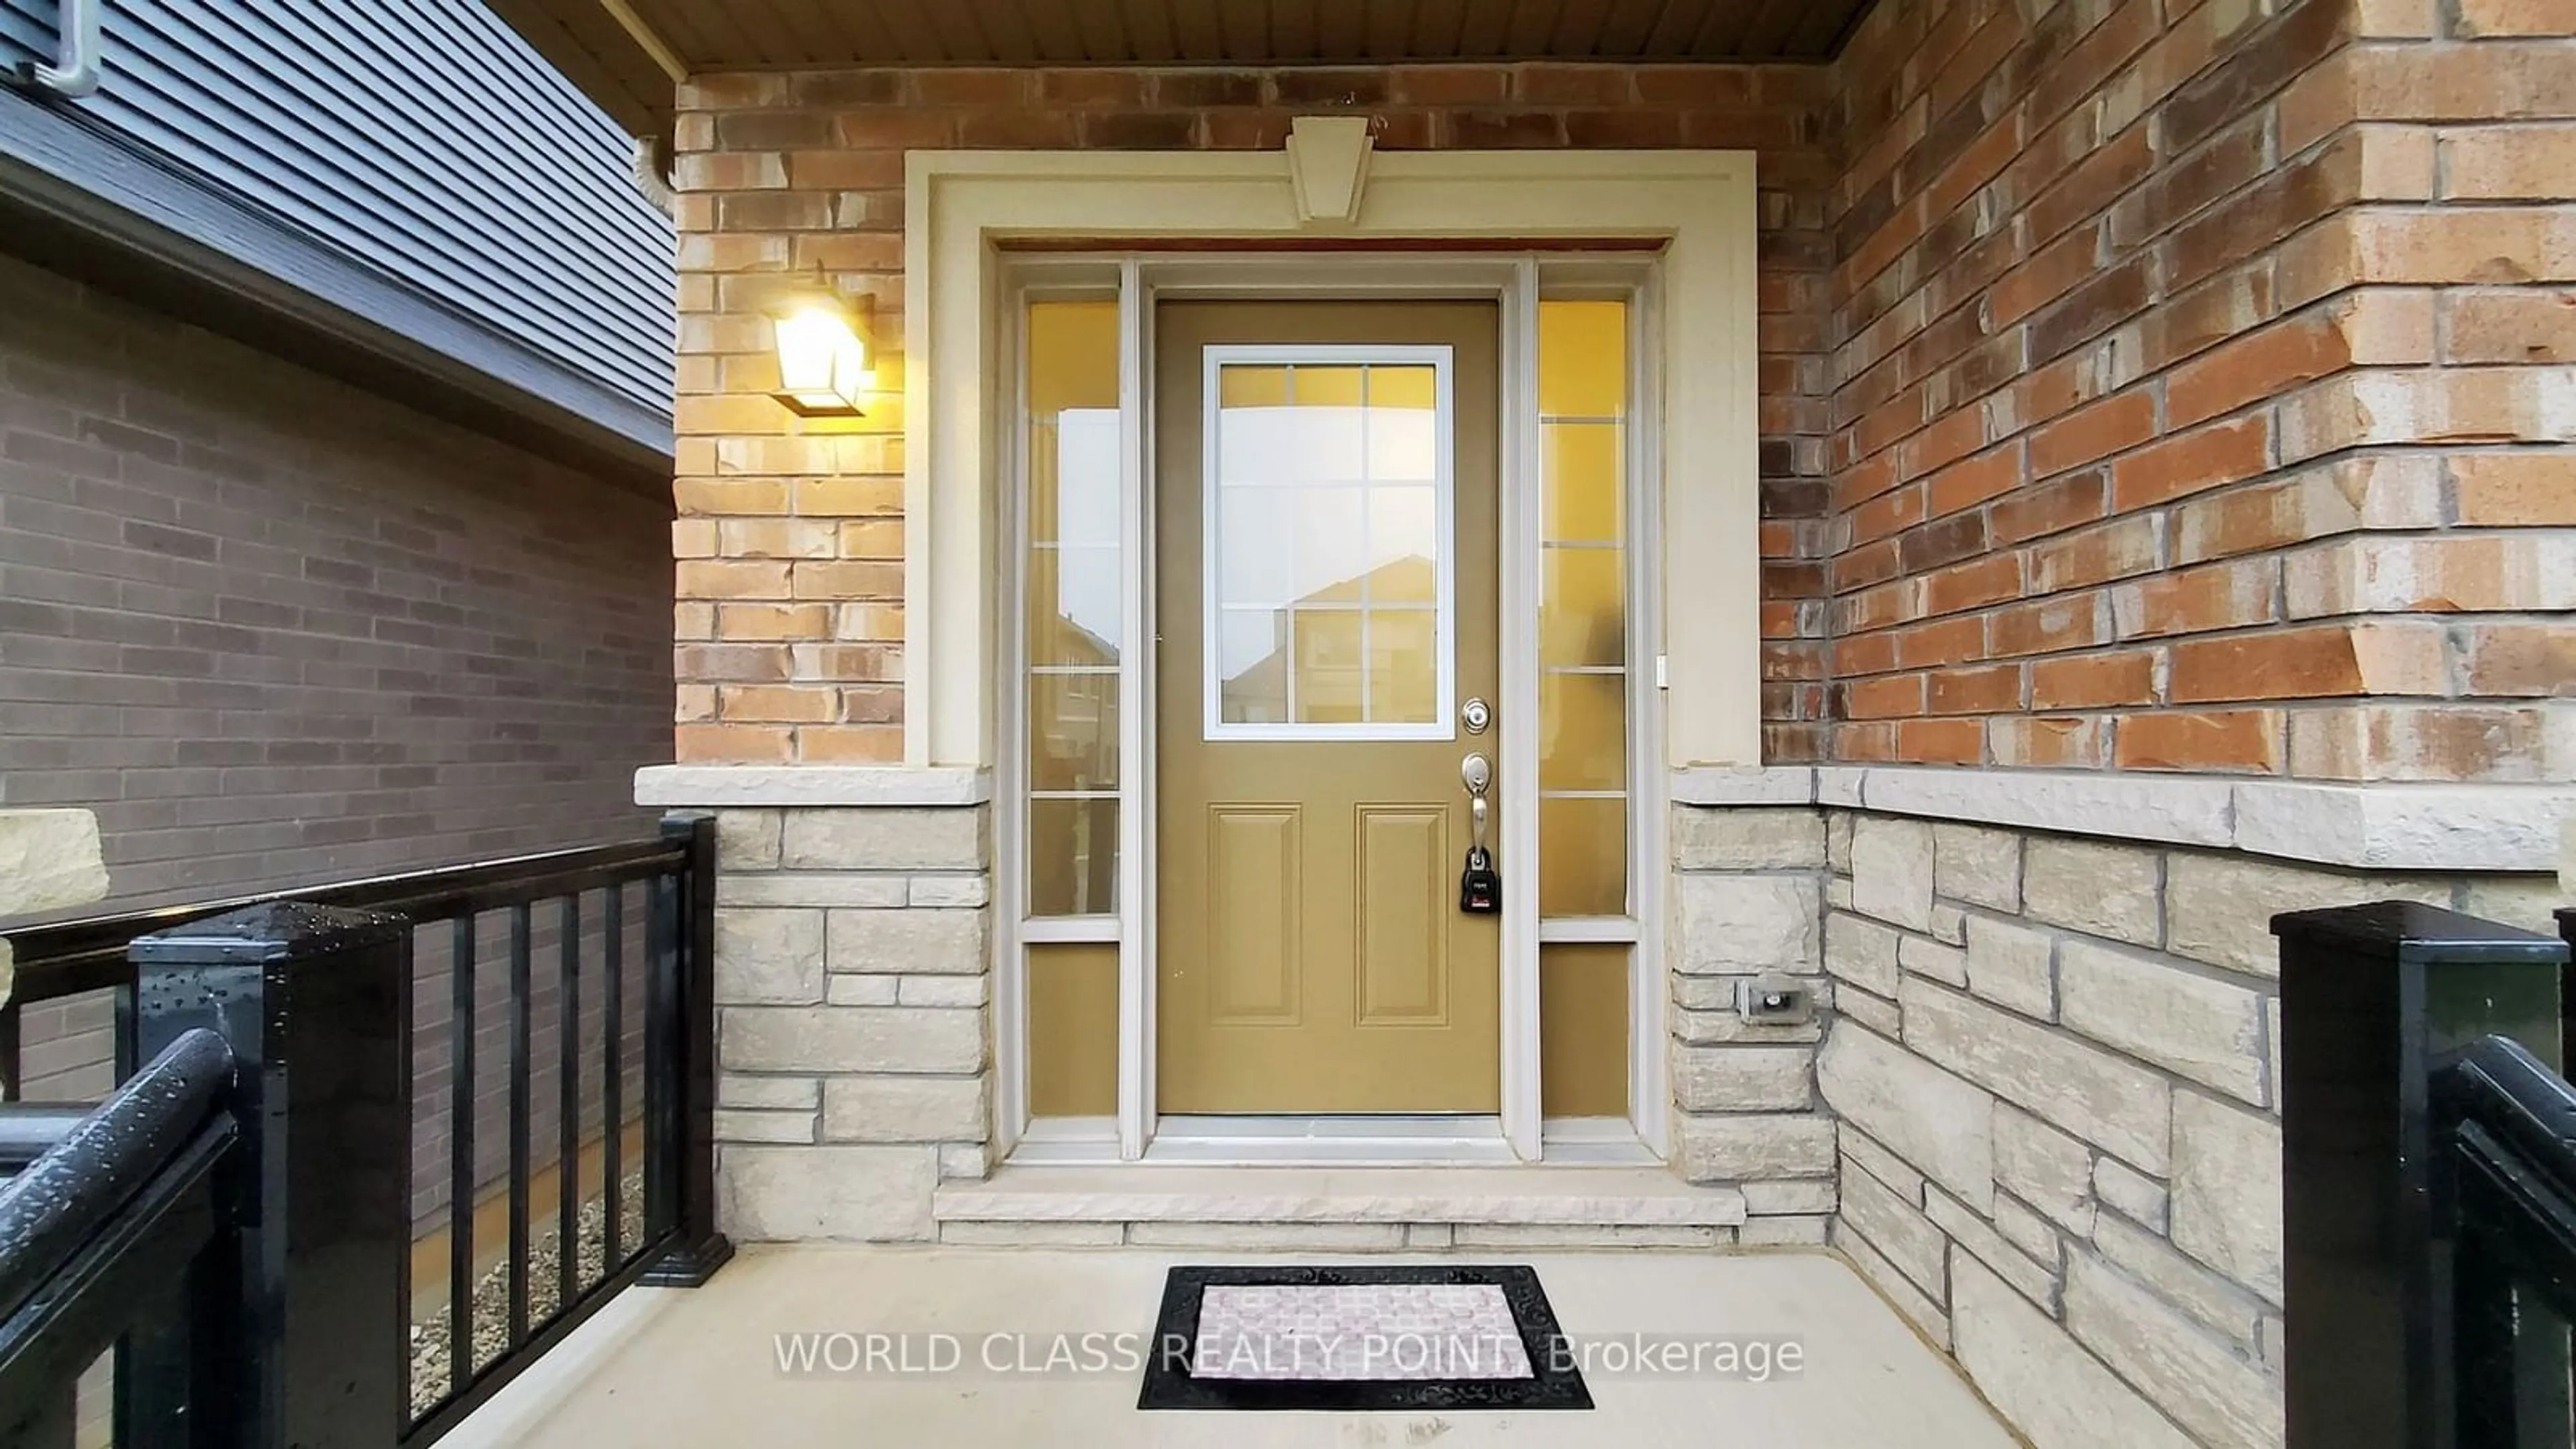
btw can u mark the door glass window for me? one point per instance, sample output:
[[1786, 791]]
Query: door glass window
[[1328, 517]]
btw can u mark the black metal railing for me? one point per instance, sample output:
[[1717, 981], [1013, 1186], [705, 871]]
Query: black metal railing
[[124, 1227], [2429, 1181], [497, 1089]]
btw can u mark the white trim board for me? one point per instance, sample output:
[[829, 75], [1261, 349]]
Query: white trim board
[[2388, 826]]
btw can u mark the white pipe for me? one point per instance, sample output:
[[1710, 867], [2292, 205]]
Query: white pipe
[[77, 75]]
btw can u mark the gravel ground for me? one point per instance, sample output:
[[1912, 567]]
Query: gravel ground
[[429, 1343]]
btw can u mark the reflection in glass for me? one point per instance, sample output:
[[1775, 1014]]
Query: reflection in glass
[[1582, 857], [1582, 481], [1583, 732], [1073, 732], [1326, 577], [1583, 608], [1073, 856], [1074, 603], [1584, 619]]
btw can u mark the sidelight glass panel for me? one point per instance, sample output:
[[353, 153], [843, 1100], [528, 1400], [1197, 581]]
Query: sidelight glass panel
[[1075, 619], [1583, 732], [1328, 602], [1583, 607]]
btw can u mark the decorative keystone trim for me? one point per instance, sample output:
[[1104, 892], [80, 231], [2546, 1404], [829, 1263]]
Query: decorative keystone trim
[[877, 786], [2380, 826]]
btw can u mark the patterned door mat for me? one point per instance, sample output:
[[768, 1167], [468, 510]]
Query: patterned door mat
[[1428, 1336]]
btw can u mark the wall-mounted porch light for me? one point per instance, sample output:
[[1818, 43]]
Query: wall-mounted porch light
[[822, 364]]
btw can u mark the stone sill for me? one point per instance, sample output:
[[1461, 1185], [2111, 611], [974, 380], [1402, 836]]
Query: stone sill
[[791, 786], [1523, 1196], [2383, 826]]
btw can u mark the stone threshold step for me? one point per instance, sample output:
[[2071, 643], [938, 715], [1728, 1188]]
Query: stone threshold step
[[1600, 1197]]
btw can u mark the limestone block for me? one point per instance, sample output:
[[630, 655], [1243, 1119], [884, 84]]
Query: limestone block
[[2044, 1168], [1742, 1079], [940, 990], [772, 956], [1770, 1199], [2013, 966], [1785, 1232], [864, 838], [1892, 870], [49, 860], [2220, 1305], [1748, 1146], [850, 1039], [747, 839], [847, 990], [1949, 924], [2221, 1396], [1880, 1163], [768, 1093], [1837, 893], [1540, 1236], [734, 1124], [1722, 1026], [909, 942], [1980, 866], [1927, 1316], [2099, 1096], [795, 1194], [1742, 924], [2219, 908], [964, 1161], [2154, 1008], [1305, 1237], [1740, 838], [1838, 839], [1898, 1230], [2227, 1191], [1945, 964], [934, 892], [821, 889], [1033, 1235], [1876, 1013], [2042, 1380], [2107, 890], [1862, 952], [1937, 1123], [1972, 1234], [2028, 1231], [2528, 901], [904, 1109], [2143, 1199]]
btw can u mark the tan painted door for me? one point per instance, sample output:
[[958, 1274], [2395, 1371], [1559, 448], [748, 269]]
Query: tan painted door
[[1325, 609]]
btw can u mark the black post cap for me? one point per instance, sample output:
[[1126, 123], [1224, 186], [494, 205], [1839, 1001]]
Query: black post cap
[[2412, 931], [269, 931]]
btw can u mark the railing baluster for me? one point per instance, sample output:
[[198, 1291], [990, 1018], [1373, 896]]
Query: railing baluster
[[661, 1017], [460, 1161], [568, 1085], [520, 1127], [10, 1080], [613, 1085]]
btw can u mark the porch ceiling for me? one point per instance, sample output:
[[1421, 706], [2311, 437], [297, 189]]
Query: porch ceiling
[[625, 52]]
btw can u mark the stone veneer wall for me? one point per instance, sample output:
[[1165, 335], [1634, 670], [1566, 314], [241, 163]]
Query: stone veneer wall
[[851, 981], [2053, 1061], [1748, 891]]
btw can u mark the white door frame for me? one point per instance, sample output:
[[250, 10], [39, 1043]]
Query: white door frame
[[1696, 207]]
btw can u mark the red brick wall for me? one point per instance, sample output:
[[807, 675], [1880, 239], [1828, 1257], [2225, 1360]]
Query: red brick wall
[[790, 578], [2202, 387]]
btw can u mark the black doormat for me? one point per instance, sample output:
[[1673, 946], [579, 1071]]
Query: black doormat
[[1408, 1337]]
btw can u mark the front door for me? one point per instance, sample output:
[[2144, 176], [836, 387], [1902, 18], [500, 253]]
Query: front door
[[1325, 483]]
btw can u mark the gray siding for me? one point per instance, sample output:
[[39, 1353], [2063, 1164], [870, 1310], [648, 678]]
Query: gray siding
[[420, 136]]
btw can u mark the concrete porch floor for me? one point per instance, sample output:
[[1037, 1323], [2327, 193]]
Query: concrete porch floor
[[673, 1367]]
